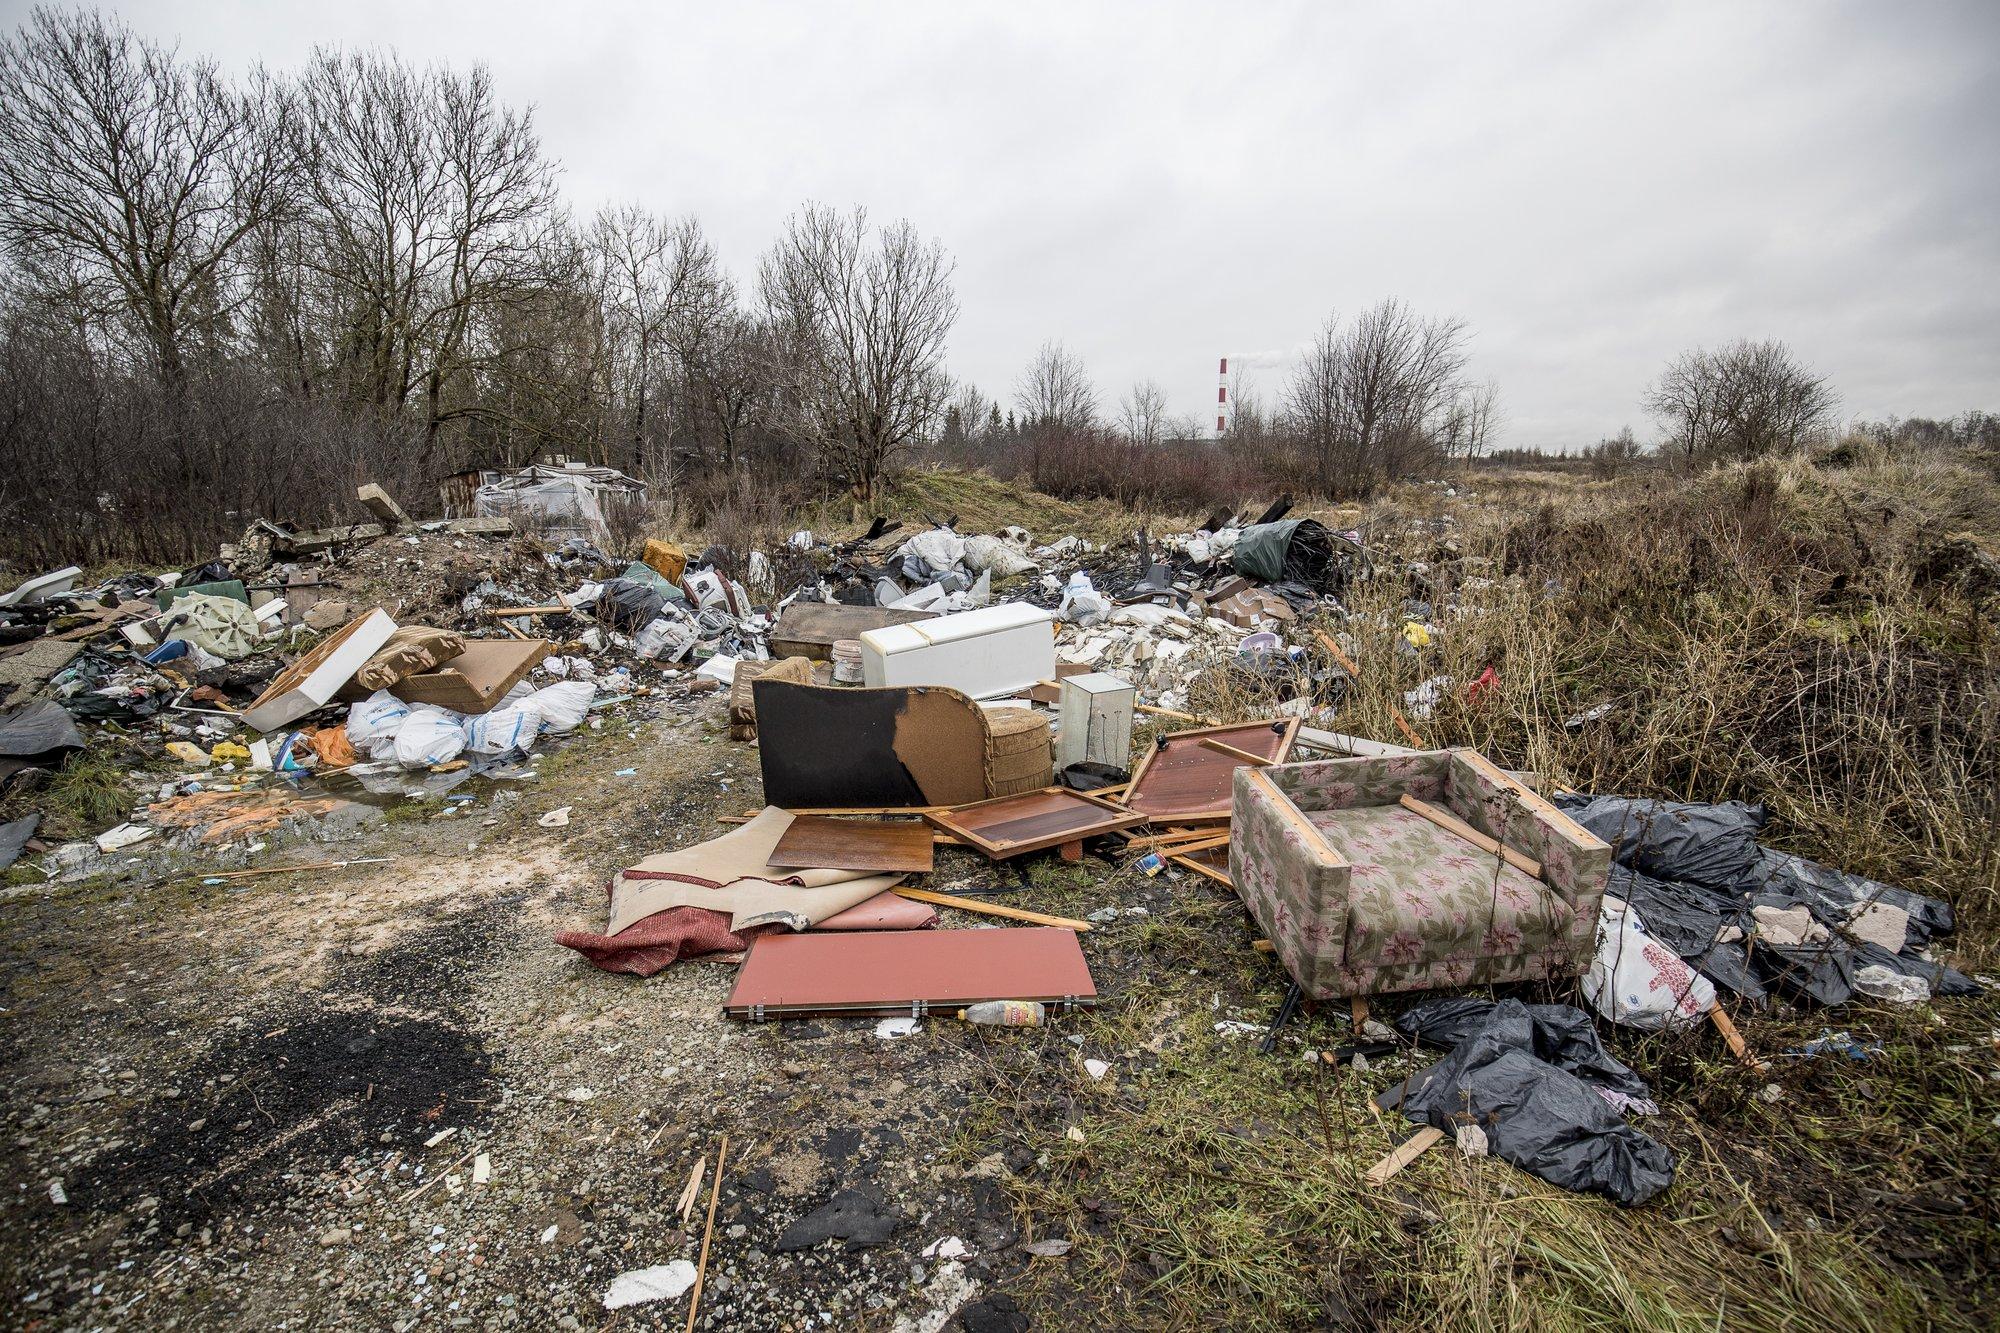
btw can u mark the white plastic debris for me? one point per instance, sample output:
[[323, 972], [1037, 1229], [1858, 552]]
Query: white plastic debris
[[892, 1029], [661, 1283], [946, 1247], [482, 1169], [556, 818], [1638, 981], [125, 835], [1883, 983], [1471, 1140], [1096, 1068]]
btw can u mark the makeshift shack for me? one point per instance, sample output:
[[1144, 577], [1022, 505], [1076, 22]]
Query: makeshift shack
[[563, 499]]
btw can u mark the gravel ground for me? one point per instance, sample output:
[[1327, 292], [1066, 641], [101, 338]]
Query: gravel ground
[[261, 1104]]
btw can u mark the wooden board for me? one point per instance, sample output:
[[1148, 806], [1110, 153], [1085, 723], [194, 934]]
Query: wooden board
[[477, 679], [810, 629], [820, 746], [1031, 821], [908, 971], [1183, 780], [820, 842]]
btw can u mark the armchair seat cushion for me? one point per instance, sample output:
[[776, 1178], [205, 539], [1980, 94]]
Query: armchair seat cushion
[[1419, 893]]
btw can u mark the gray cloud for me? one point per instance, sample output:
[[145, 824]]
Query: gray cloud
[[1593, 188]]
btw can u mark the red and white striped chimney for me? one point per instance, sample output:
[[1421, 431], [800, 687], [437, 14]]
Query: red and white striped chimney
[[1222, 399]]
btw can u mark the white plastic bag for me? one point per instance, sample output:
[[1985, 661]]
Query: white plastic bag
[[512, 726], [1081, 603], [563, 706], [429, 736], [374, 721], [1638, 981], [995, 554]]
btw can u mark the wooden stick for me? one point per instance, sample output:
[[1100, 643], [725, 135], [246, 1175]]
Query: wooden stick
[[691, 1192], [989, 909], [1208, 844], [707, 1234], [1409, 1150], [1347, 664], [1210, 743], [411, 1197], [1156, 711], [1453, 824], [1396, 716], [287, 870], [1734, 1040], [1135, 839], [1359, 1008], [1206, 871], [1263, 946]]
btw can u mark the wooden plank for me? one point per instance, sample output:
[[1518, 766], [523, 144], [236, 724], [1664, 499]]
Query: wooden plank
[[1203, 868], [1258, 760], [821, 842], [1180, 779], [1409, 734], [1734, 1040], [984, 908], [1531, 799], [1341, 743], [1452, 824], [707, 1233], [314, 679], [1334, 650], [1032, 821], [1409, 1150]]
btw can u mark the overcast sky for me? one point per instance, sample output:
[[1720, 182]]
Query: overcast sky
[[1592, 187]]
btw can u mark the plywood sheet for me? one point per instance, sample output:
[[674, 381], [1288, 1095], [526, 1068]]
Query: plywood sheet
[[821, 842], [905, 971], [1179, 778], [312, 680], [1031, 821], [478, 678]]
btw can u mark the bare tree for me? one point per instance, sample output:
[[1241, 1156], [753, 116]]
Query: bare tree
[[1055, 391], [661, 289], [1369, 401], [1743, 400], [1142, 414], [1470, 420], [862, 315], [129, 177]]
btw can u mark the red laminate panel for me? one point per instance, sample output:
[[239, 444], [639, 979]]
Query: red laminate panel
[[811, 973]]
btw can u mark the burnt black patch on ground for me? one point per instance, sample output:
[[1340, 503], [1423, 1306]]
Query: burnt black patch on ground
[[309, 1083]]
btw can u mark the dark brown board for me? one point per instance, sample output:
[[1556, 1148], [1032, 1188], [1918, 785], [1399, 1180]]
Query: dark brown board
[[827, 747], [810, 629], [905, 971], [1186, 781], [821, 842], [1032, 820]]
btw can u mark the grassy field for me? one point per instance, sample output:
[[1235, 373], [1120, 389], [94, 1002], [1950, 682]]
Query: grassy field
[[1778, 632]]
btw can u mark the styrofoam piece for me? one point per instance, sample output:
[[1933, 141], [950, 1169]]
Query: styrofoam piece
[[44, 585], [314, 679], [993, 651]]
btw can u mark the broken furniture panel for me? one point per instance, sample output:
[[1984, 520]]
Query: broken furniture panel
[[1096, 720], [823, 747], [909, 972], [313, 680], [1183, 779], [1032, 821], [815, 842], [477, 679], [810, 629]]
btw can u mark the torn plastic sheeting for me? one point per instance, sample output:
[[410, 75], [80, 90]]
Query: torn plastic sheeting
[[1561, 1034], [14, 836], [625, 605], [1301, 550], [1780, 873], [37, 735], [1638, 981], [1539, 1117]]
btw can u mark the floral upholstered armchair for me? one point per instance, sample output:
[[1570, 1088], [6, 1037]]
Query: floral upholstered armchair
[[1361, 895]]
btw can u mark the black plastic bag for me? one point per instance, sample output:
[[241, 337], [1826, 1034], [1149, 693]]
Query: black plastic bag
[[1543, 1119], [1713, 845], [628, 605], [1561, 1034]]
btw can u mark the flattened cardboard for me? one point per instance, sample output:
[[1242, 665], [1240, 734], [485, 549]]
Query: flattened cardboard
[[912, 972], [478, 678]]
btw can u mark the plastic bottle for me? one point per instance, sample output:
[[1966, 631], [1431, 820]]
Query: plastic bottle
[[1006, 1013]]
